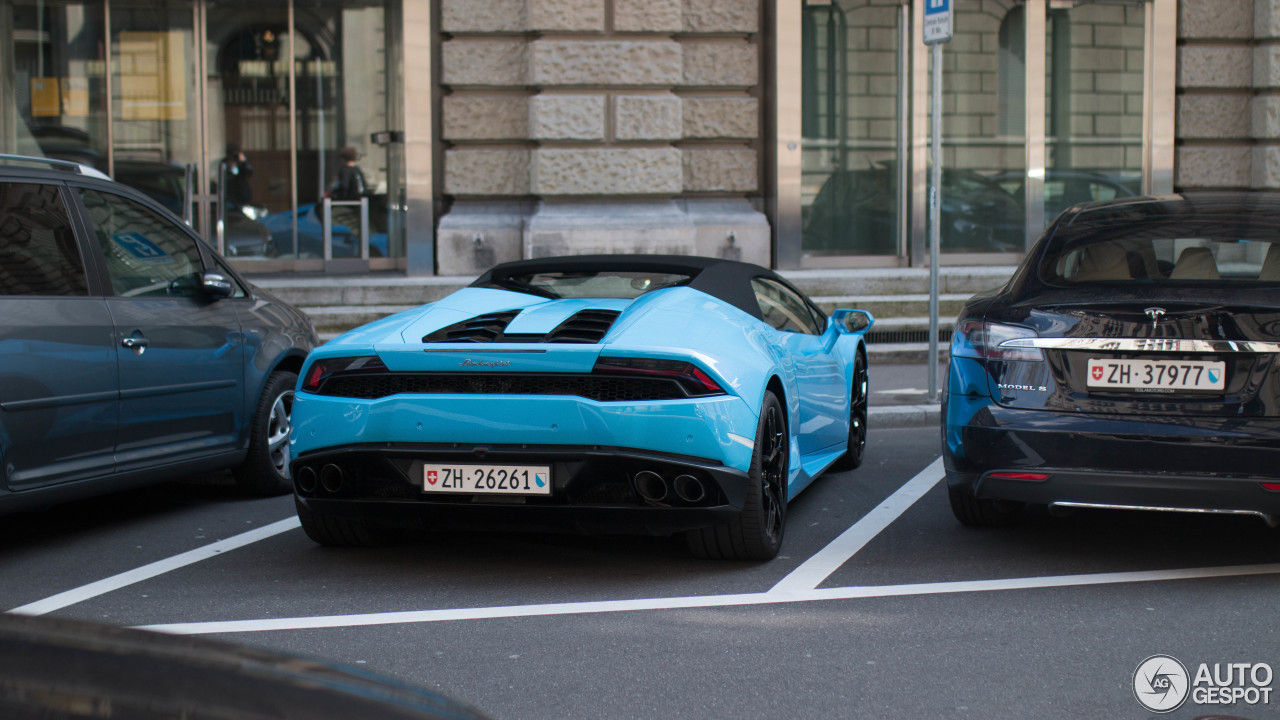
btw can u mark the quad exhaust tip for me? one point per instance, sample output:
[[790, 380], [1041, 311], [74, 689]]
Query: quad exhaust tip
[[331, 478], [651, 486], [308, 481], [689, 488]]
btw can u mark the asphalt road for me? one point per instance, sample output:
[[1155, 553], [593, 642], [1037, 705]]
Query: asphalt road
[[881, 605]]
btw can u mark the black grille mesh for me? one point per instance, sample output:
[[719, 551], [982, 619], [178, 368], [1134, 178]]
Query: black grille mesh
[[601, 388]]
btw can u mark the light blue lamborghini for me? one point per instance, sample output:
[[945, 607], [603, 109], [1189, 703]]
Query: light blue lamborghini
[[645, 393]]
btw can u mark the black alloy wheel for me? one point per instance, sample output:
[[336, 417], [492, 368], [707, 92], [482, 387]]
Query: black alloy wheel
[[756, 534], [857, 447]]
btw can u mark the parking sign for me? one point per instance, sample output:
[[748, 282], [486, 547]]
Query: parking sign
[[937, 21]]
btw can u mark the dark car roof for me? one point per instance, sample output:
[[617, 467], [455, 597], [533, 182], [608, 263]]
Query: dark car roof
[[1257, 206], [727, 280]]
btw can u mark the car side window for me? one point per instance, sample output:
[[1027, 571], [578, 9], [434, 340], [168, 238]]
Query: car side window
[[782, 309], [38, 250], [145, 253]]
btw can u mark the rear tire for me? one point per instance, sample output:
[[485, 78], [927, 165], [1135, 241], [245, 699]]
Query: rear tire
[[857, 446], [756, 534], [265, 471], [982, 512], [340, 531]]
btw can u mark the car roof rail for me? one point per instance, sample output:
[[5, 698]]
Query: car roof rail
[[56, 164]]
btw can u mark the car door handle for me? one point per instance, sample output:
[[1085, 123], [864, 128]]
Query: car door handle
[[136, 342]]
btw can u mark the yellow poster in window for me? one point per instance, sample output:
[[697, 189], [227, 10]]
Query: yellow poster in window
[[44, 97], [75, 96], [153, 76]]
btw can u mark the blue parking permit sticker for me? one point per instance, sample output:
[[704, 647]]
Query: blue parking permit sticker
[[137, 245]]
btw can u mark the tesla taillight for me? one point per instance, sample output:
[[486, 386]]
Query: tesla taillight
[[1020, 476], [978, 339], [325, 368], [692, 378]]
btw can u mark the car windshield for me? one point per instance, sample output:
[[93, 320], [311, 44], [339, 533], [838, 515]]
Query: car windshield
[[1176, 251], [592, 283]]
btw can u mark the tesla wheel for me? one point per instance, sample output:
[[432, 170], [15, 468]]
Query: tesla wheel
[[857, 446], [982, 512], [756, 534], [339, 530], [265, 470]]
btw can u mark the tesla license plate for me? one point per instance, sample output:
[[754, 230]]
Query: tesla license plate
[[485, 479], [1157, 375]]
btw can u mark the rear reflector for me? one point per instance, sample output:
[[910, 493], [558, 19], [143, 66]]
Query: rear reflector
[[1274, 487], [1020, 476]]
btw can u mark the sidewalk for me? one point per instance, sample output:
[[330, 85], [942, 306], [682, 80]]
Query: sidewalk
[[900, 396]]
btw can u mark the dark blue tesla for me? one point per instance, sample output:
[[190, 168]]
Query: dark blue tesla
[[1132, 361]]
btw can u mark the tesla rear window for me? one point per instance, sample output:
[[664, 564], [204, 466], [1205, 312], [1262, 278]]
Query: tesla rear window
[[1170, 253], [592, 283]]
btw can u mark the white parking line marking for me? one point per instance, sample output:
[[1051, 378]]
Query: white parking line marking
[[160, 567], [708, 601], [813, 571]]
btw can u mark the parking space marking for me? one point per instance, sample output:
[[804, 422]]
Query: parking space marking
[[706, 601], [160, 567], [813, 571]]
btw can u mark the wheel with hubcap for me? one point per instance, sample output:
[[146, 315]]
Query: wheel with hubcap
[[857, 446], [756, 534], [265, 470]]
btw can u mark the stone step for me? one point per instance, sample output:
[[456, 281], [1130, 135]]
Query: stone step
[[898, 330], [897, 281], [888, 306], [333, 320], [397, 289], [904, 353], [357, 290]]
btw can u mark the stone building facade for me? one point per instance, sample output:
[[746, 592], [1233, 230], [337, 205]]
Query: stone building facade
[[600, 126], [1228, 115], [790, 133]]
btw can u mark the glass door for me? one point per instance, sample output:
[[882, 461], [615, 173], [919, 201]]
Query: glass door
[[53, 99], [852, 194], [155, 131], [1094, 55], [248, 144]]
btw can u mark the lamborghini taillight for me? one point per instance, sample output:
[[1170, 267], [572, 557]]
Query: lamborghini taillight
[[695, 381], [325, 368]]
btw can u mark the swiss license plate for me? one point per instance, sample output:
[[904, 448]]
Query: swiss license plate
[[484, 479], [1157, 375]]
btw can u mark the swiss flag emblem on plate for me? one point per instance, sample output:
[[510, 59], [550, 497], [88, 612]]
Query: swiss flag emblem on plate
[[1096, 370]]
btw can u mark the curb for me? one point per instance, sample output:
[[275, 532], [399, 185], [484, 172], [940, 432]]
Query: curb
[[904, 416]]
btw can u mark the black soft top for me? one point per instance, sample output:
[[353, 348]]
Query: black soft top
[[726, 280]]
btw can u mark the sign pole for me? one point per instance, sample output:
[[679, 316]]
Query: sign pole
[[935, 218], [936, 30]]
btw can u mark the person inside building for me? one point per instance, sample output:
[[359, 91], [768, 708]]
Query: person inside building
[[350, 184], [238, 193]]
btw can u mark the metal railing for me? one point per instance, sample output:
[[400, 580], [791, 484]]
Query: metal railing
[[329, 204]]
